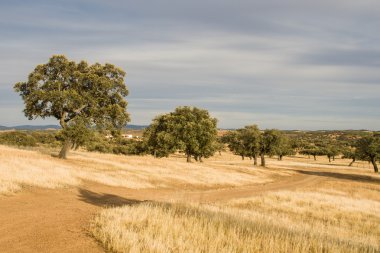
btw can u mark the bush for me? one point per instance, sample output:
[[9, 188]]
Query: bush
[[16, 138], [116, 146], [47, 138]]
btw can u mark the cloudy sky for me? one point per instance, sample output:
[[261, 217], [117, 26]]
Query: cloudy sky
[[279, 64]]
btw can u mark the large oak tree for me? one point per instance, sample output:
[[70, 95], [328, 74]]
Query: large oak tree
[[80, 96]]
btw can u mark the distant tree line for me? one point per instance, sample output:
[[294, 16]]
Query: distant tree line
[[252, 143]]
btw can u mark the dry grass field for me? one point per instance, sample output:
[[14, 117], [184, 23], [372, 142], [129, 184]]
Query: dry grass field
[[142, 204], [28, 167], [333, 217]]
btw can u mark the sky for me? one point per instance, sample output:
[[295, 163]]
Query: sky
[[279, 64]]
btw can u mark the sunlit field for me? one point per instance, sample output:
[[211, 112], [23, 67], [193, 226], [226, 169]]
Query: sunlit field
[[328, 219], [339, 214], [294, 205], [28, 167]]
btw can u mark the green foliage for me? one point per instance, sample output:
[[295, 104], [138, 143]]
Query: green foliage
[[49, 138], [250, 141], [128, 147], [368, 148], [284, 147], [269, 141], [188, 129], [16, 138], [219, 145], [158, 137], [330, 150], [350, 153], [313, 151], [244, 142], [115, 145], [78, 132], [251, 137], [78, 95], [235, 143]]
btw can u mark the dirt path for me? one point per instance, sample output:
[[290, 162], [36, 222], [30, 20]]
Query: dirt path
[[43, 220]]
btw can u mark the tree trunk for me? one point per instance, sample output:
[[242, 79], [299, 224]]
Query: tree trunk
[[220, 153], [315, 157], [196, 158], [155, 153], [353, 160], [242, 157], [255, 159], [262, 159], [188, 158], [329, 159], [65, 150], [373, 160], [200, 159], [280, 158], [333, 158]]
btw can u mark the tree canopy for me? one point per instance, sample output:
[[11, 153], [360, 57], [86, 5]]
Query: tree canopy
[[188, 129], [80, 96], [235, 143], [284, 147], [244, 142], [269, 141], [368, 148], [251, 142]]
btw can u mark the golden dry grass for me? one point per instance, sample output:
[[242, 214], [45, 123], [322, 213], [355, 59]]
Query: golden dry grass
[[23, 167], [29, 167], [339, 215], [159, 227]]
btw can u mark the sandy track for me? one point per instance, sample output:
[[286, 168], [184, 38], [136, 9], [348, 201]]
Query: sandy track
[[43, 220]]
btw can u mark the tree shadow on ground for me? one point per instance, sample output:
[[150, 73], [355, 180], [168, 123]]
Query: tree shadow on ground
[[105, 199], [352, 177]]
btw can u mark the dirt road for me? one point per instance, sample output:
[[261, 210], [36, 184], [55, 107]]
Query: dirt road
[[43, 220]]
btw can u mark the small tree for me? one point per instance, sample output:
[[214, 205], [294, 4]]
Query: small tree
[[368, 148], [269, 141], [312, 151], [189, 129], [219, 146], [235, 143], [350, 153], [78, 95], [250, 136], [330, 150], [158, 137], [284, 147]]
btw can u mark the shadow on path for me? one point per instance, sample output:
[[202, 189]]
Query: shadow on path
[[352, 177], [104, 199]]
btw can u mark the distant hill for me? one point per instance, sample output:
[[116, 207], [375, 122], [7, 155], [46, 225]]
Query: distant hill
[[30, 127], [45, 127], [136, 127]]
